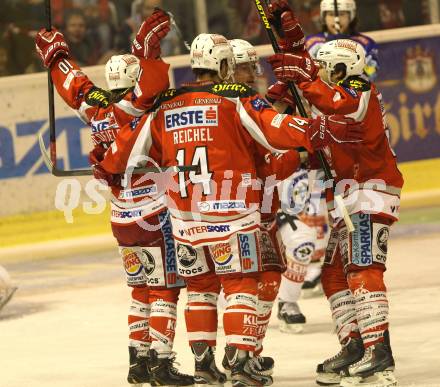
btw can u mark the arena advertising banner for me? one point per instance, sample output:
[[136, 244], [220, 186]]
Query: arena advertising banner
[[408, 80]]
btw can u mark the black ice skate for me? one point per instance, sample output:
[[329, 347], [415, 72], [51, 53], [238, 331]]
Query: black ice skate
[[312, 287], [264, 364], [328, 372], [163, 372], [291, 318], [206, 372], [138, 372], [245, 371], [375, 369]]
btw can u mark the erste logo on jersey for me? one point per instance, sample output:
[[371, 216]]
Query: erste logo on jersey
[[190, 117]]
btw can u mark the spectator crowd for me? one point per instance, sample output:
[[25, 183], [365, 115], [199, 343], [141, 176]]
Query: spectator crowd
[[98, 29]]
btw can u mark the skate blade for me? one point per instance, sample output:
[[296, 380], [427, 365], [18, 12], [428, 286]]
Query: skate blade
[[265, 381], [291, 328], [208, 384], [379, 379], [328, 379]]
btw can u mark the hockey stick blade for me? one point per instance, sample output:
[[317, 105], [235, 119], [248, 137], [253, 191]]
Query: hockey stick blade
[[89, 172], [340, 204]]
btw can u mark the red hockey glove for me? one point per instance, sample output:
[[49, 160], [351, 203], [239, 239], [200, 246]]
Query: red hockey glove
[[334, 129], [146, 44], [279, 92], [50, 45], [95, 157], [291, 67], [287, 25]]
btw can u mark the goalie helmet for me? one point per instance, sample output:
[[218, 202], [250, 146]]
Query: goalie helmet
[[343, 5], [121, 71], [208, 51], [345, 51]]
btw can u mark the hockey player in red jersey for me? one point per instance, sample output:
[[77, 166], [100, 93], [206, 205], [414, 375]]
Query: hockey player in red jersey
[[215, 211], [148, 256], [271, 169], [370, 181]]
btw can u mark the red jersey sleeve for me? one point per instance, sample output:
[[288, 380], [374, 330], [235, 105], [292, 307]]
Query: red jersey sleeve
[[152, 80], [276, 132], [72, 85], [134, 146], [331, 100], [280, 165]]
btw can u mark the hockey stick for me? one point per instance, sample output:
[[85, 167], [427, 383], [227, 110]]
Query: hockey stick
[[337, 21], [51, 160], [292, 88], [52, 135], [178, 31], [89, 172]]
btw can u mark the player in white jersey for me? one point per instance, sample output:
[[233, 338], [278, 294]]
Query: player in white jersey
[[303, 231]]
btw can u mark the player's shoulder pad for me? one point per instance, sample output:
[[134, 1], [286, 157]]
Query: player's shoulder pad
[[231, 90], [98, 97], [313, 39], [356, 84], [165, 96], [367, 42]]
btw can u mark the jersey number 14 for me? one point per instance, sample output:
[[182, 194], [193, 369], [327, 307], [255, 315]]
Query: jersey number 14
[[201, 176]]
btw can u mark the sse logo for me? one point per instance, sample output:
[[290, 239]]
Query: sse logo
[[190, 117], [132, 263]]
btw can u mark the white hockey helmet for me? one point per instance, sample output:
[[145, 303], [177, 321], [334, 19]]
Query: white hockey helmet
[[209, 50], [345, 51], [244, 52], [343, 5], [121, 71]]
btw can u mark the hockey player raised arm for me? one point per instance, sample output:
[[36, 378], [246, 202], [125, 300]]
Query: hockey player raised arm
[[80, 93], [290, 33], [339, 98]]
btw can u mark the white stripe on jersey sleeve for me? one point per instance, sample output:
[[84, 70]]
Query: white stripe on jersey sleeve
[[127, 107], [142, 146], [359, 114], [251, 126]]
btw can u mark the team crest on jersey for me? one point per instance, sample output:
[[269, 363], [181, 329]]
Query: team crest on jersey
[[420, 72], [132, 263], [259, 104], [186, 255], [221, 253], [304, 251], [148, 262]]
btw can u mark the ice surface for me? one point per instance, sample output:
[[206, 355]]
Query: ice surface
[[66, 325]]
